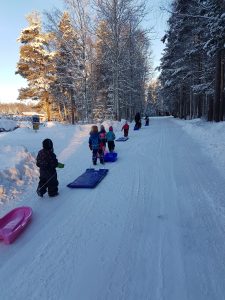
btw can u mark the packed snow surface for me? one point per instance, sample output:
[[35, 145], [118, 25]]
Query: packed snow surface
[[153, 229]]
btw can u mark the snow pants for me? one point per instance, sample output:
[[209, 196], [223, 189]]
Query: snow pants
[[49, 184], [126, 132], [97, 153], [111, 146]]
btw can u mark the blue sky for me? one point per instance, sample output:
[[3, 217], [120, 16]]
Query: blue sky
[[13, 21]]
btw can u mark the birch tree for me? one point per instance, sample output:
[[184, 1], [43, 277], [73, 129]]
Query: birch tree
[[117, 15], [80, 11]]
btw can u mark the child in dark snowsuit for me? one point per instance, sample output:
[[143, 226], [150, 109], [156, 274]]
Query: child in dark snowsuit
[[146, 120], [110, 136], [47, 162], [94, 145], [125, 128], [137, 120]]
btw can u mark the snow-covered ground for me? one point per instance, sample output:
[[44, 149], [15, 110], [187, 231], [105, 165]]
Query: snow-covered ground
[[152, 229]]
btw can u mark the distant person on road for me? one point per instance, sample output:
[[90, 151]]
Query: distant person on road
[[137, 119], [146, 120]]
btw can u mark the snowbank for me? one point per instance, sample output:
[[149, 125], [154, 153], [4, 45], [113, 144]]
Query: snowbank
[[7, 125], [210, 135], [17, 169], [18, 151]]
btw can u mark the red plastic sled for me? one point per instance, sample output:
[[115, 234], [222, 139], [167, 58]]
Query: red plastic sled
[[13, 223]]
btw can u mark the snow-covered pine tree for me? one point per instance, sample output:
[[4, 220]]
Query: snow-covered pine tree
[[192, 74], [215, 47], [36, 63], [169, 87], [69, 63], [177, 67]]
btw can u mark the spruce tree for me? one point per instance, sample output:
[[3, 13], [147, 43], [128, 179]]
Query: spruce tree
[[68, 63], [36, 63]]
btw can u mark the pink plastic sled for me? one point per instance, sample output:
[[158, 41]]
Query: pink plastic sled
[[13, 223]]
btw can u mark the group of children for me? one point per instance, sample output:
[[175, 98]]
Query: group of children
[[98, 140], [47, 161]]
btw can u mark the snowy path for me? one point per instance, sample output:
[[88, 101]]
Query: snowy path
[[153, 229]]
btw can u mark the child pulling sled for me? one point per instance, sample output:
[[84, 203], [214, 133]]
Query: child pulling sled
[[125, 129]]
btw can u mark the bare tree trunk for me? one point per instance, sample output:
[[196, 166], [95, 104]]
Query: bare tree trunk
[[222, 70], [47, 106], [72, 107], [65, 112], [180, 101], [210, 110], [60, 112], [217, 87], [190, 104], [199, 107]]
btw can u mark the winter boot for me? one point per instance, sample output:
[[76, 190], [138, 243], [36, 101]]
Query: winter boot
[[39, 193]]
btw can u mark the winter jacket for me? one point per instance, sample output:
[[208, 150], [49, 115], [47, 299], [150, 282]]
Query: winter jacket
[[47, 162], [125, 126], [137, 117], [102, 136], [94, 141], [110, 136]]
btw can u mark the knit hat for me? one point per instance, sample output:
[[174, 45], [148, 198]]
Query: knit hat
[[102, 128], [47, 144], [110, 128]]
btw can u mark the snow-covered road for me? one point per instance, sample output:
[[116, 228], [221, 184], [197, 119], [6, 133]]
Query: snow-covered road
[[154, 228]]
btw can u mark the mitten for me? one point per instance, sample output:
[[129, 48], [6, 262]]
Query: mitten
[[60, 165]]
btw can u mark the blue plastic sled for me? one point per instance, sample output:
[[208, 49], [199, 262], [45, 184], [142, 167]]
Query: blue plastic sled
[[122, 139], [136, 128], [89, 179], [110, 157]]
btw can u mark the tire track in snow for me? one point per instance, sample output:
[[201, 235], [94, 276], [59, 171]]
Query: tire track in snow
[[151, 237], [122, 277]]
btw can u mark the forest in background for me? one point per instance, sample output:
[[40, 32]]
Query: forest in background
[[18, 108], [89, 62], [93, 61], [192, 65]]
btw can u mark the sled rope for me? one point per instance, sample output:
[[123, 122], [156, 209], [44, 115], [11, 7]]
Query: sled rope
[[45, 182]]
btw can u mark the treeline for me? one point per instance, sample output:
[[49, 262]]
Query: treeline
[[192, 66], [16, 108], [87, 63]]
